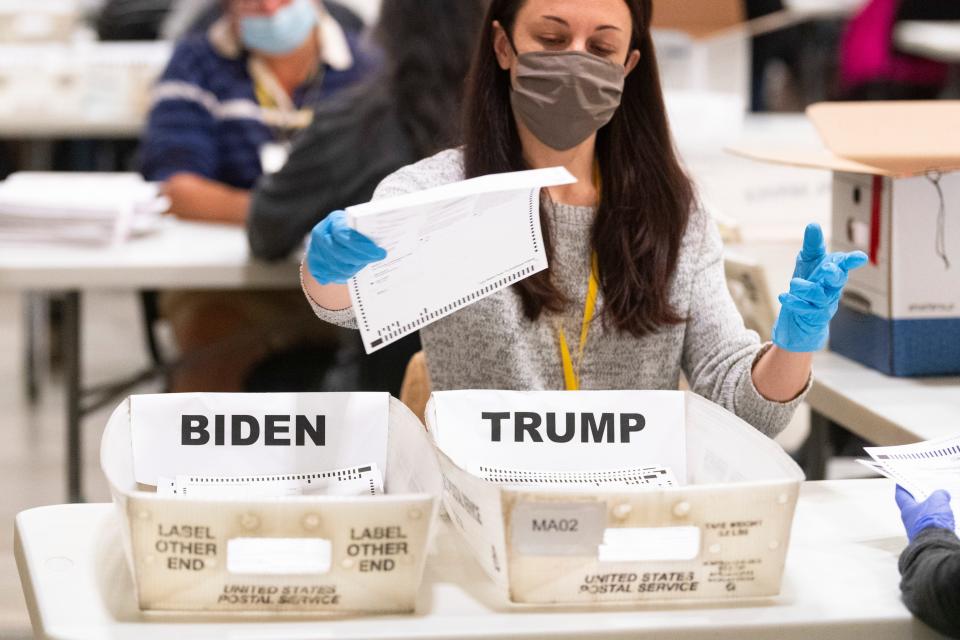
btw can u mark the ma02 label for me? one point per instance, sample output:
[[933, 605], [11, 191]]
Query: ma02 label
[[557, 528]]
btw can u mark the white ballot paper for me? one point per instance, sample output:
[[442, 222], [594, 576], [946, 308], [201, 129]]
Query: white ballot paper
[[921, 468], [584, 435], [355, 481], [447, 247], [250, 434], [652, 477]]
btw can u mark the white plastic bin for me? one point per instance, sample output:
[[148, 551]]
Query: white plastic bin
[[722, 533], [307, 553]]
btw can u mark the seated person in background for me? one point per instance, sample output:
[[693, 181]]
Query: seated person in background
[[870, 66], [930, 565], [224, 111], [409, 111], [230, 96]]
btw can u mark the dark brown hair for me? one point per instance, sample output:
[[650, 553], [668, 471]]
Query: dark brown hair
[[645, 198]]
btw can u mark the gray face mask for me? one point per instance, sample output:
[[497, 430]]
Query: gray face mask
[[563, 97]]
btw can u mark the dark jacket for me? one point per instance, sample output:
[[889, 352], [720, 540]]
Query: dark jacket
[[354, 142], [930, 570]]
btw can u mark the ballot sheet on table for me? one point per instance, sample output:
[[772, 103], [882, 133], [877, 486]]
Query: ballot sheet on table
[[921, 468], [447, 247], [78, 208]]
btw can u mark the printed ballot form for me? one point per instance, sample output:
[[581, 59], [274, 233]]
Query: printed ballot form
[[921, 468], [655, 477], [354, 481], [260, 445], [447, 247]]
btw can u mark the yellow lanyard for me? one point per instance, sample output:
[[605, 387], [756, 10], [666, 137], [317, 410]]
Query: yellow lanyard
[[278, 111], [263, 96], [571, 377]]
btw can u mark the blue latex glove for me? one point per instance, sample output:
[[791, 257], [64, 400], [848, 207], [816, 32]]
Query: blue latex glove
[[818, 280], [337, 252], [935, 511]]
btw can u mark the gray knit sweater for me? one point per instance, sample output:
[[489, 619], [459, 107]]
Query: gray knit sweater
[[491, 344]]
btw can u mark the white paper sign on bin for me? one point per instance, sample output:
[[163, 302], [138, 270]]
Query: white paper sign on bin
[[722, 533], [255, 553]]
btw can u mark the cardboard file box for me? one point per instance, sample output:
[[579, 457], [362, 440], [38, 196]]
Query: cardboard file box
[[312, 554], [896, 196], [721, 534]]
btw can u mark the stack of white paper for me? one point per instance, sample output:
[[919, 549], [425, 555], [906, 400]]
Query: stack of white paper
[[78, 208], [654, 477], [355, 481], [921, 468]]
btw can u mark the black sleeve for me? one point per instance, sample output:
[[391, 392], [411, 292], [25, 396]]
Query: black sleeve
[[131, 19], [930, 570], [336, 162], [928, 10], [346, 18]]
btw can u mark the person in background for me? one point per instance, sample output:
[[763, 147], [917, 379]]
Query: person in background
[[930, 565], [408, 111], [575, 84], [232, 97], [224, 111], [870, 66]]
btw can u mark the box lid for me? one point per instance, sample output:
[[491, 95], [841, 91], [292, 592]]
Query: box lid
[[701, 19], [896, 138]]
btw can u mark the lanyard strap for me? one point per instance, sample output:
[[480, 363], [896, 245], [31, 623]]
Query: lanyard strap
[[276, 107], [571, 376]]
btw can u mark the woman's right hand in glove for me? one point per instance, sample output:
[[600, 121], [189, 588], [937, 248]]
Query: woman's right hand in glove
[[337, 252]]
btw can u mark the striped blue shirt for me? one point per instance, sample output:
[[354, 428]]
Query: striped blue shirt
[[206, 119]]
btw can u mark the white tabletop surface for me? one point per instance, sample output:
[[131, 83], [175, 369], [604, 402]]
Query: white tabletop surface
[[841, 581], [823, 8], [77, 126], [883, 409], [933, 39], [80, 89], [179, 255]]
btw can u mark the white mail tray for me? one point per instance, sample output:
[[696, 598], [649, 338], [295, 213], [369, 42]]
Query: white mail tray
[[720, 532], [315, 554]]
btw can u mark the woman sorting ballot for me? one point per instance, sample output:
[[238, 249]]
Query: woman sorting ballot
[[635, 292], [930, 565]]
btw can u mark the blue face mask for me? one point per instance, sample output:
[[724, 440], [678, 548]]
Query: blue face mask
[[282, 32]]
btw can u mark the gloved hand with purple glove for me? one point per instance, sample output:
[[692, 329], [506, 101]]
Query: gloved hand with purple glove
[[935, 511], [815, 290]]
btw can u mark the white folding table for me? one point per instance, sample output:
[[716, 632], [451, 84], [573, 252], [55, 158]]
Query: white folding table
[[881, 409], [841, 582], [180, 255]]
